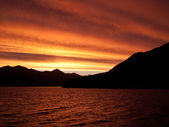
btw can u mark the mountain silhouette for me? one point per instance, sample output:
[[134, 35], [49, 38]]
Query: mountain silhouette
[[22, 76], [141, 70]]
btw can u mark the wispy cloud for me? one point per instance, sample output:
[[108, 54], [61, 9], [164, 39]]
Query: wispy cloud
[[52, 58], [105, 31]]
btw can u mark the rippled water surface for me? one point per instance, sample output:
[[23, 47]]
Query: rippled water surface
[[66, 107]]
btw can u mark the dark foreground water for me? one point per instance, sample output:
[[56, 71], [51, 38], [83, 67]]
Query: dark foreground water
[[66, 107]]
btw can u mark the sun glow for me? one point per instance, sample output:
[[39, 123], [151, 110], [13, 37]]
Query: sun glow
[[65, 35]]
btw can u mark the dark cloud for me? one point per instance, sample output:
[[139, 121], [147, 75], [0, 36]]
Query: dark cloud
[[52, 58], [26, 56]]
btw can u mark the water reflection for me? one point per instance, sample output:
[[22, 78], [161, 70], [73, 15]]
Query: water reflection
[[60, 107]]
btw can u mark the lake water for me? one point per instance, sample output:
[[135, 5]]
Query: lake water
[[66, 107]]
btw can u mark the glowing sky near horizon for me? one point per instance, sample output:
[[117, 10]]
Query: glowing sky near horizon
[[83, 36]]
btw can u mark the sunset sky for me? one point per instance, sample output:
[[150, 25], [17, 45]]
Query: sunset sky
[[82, 36]]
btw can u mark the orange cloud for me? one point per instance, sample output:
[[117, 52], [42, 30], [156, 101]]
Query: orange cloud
[[89, 33]]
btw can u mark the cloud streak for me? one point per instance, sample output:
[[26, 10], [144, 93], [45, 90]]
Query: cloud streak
[[85, 47], [53, 58]]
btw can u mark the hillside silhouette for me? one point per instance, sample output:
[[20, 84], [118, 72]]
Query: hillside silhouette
[[22, 76], [141, 70]]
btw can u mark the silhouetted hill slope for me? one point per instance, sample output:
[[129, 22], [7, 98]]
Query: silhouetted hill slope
[[142, 70], [20, 76]]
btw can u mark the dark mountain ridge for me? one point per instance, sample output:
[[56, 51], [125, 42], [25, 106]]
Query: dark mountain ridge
[[22, 76], [141, 70]]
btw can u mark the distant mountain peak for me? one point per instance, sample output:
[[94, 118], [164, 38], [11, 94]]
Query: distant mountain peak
[[20, 67], [7, 66], [19, 75], [57, 71]]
